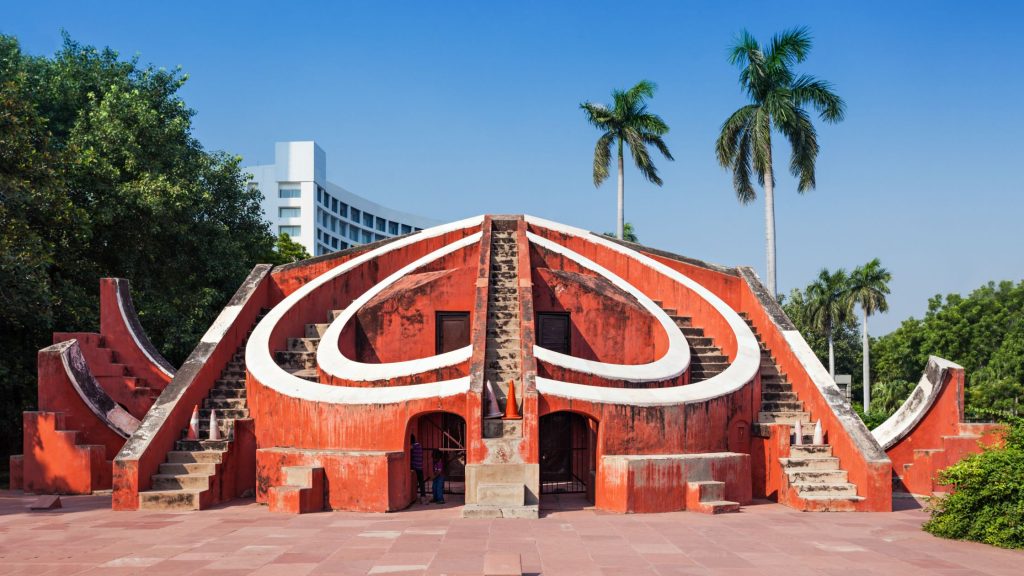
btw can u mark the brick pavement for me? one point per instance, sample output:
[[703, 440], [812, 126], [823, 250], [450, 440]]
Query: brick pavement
[[243, 538]]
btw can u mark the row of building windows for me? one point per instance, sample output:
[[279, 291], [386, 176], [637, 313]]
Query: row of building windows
[[360, 217]]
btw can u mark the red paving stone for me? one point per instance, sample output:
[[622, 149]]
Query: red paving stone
[[243, 538]]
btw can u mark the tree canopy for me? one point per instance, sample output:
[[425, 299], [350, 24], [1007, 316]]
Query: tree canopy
[[100, 175]]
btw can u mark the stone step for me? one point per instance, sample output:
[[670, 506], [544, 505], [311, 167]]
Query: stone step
[[804, 463], [171, 499], [683, 321], [316, 330], [181, 482], [670, 311], [818, 476], [691, 332], [699, 342], [784, 417], [776, 387], [332, 315], [225, 403], [199, 456], [489, 511], [202, 445], [779, 396], [228, 393], [718, 507], [810, 450], [296, 359], [188, 468], [222, 415], [706, 359], [788, 406], [303, 344], [830, 490], [309, 374]]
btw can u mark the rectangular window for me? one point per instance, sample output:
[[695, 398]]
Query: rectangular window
[[344, 210], [318, 235], [343, 246], [289, 193], [381, 224], [393, 228], [379, 237], [406, 229], [367, 237], [553, 331], [334, 205], [324, 218], [353, 233], [334, 224], [418, 229], [355, 215], [289, 212], [368, 220], [334, 243], [293, 231], [319, 194]]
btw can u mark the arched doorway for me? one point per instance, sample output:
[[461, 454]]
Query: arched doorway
[[568, 454], [445, 432]]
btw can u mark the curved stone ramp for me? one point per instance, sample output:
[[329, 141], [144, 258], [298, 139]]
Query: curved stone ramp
[[927, 433], [130, 321], [264, 370], [671, 365], [333, 363], [112, 414], [740, 372]]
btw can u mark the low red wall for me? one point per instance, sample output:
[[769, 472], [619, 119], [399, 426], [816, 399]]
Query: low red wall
[[659, 484], [354, 481]]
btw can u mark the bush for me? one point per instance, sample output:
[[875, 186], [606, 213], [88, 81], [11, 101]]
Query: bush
[[987, 502]]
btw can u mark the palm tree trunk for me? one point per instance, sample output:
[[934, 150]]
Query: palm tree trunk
[[831, 356], [867, 366], [620, 222], [769, 225]]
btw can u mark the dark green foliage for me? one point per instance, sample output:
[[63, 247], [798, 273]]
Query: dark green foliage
[[983, 332], [847, 340], [987, 502], [628, 233], [287, 251], [100, 176]]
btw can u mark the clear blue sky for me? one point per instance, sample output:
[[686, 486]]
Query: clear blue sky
[[457, 108]]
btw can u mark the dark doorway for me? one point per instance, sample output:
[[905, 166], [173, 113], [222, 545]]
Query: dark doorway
[[567, 460], [452, 331], [553, 331], [447, 433]]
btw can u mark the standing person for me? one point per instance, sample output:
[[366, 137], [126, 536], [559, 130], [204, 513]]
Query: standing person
[[416, 463], [438, 477]]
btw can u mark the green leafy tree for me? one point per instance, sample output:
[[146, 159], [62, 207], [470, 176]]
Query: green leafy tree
[[287, 251], [778, 100], [100, 176], [628, 233], [869, 284], [845, 335], [987, 501], [627, 122], [827, 307]]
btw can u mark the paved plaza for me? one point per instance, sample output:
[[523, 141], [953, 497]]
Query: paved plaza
[[86, 537]]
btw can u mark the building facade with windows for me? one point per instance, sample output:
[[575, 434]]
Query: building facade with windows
[[322, 216]]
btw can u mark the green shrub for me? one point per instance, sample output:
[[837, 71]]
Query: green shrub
[[987, 501]]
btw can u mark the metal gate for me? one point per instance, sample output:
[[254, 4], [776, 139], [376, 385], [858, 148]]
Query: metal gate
[[447, 433], [565, 455]]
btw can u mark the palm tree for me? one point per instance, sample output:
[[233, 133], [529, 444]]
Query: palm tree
[[629, 122], [777, 100], [868, 286], [828, 307]]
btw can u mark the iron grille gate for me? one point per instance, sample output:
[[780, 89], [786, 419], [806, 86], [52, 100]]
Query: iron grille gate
[[565, 459], [447, 433]]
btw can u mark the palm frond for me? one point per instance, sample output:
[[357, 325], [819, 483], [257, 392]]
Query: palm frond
[[818, 93], [790, 47], [603, 157], [641, 158], [741, 167], [803, 139], [657, 142], [729, 135], [598, 115], [761, 144], [643, 89]]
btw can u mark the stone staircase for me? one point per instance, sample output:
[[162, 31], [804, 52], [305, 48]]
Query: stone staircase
[[706, 359], [500, 490], [190, 478], [810, 469], [302, 492], [708, 497], [300, 357]]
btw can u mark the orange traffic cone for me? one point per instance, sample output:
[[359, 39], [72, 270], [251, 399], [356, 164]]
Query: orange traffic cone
[[511, 408], [214, 428], [193, 425]]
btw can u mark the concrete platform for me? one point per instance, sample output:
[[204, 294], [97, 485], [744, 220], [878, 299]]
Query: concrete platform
[[242, 538]]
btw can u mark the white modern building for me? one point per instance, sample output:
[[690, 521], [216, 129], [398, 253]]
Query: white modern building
[[324, 217]]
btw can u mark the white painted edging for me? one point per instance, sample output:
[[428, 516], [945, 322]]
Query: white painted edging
[[260, 363], [673, 363], [333, 362], [135, 337], [917, 405], [742, 370]]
